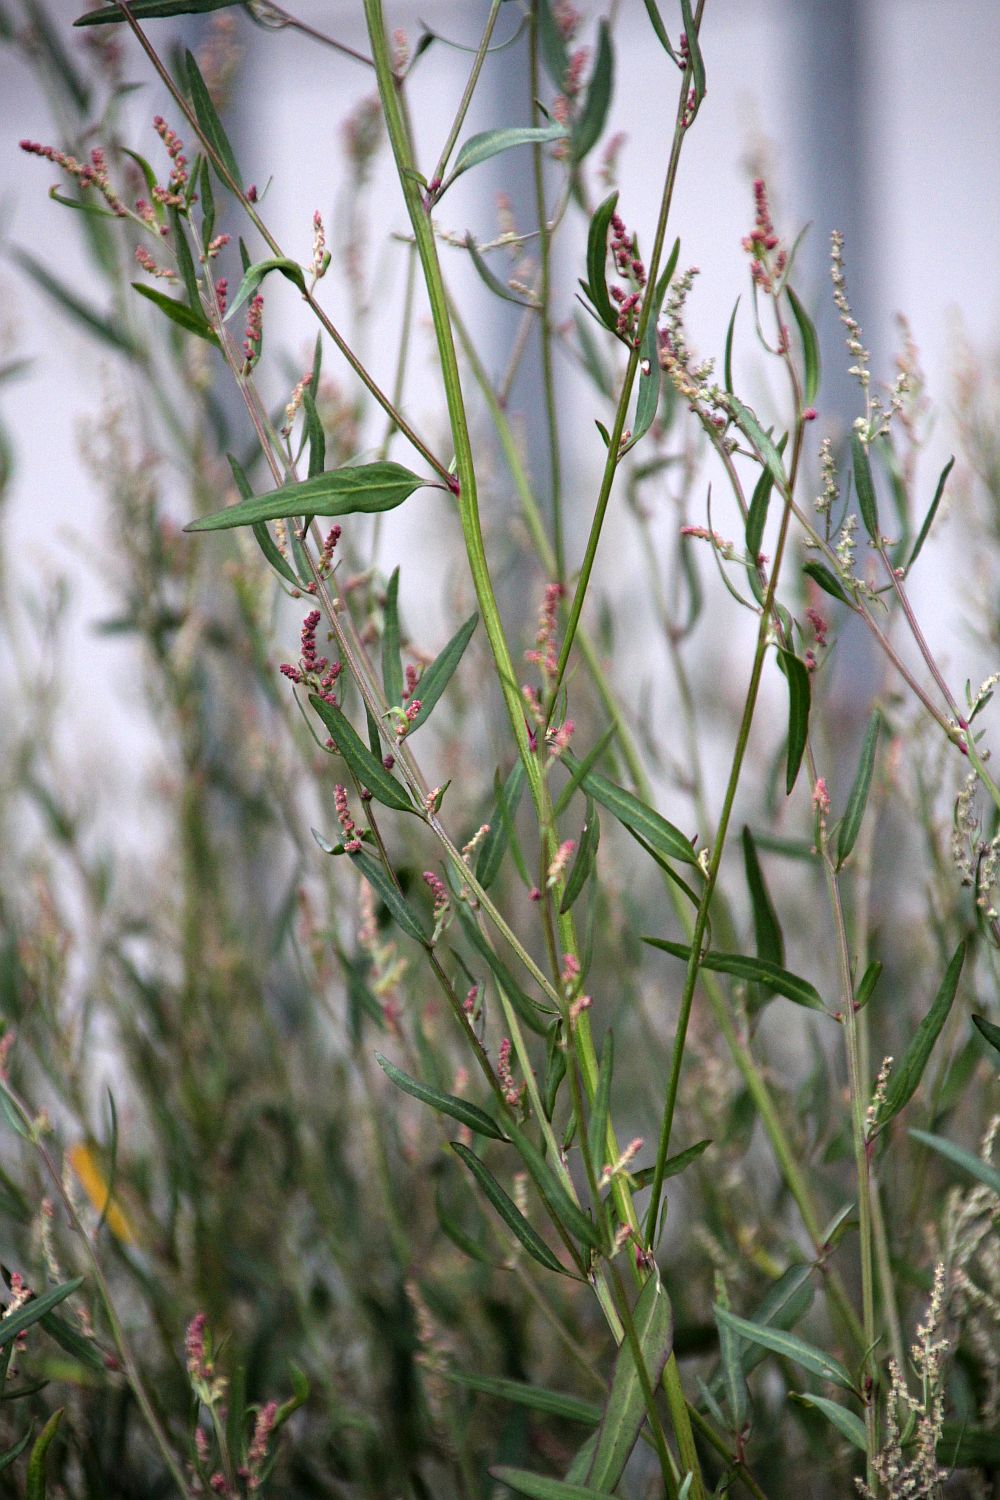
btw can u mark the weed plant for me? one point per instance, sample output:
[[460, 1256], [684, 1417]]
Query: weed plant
[[523, 1104]]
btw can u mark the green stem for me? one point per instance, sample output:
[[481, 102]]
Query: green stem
[[618, 426], [466, 100], [545, 316]]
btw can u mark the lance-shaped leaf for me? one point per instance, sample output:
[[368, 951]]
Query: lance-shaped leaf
[[586, 857], [767, 929], [562, 1207], [757, 970], [35, 1309], [536, 1397], [145, 10], [727, 363], [648, 400], [600, 1112], [496, 286], [932, 512], [789, 1346], [437, 676], [858, 800], [254, 275], [445, 1104], [552, 44], [479, 148], [399, 908], [847, 1423], [6, 1459], [263, 537], [987, 1030], [905, 1077], [756, 521], [694, 51], [185, 317], [733, 1376], [392, 665], [534, 1016], [869, 980], [508, 1210], [656, 21], [825, 580], [494, 845], [364, 489], [799, 697], [208, 119], [544, 1487], [625, 1410], [810, 348], [596, 285], [865, 486], [636, 815], [673, 1164], [762, 444], [983, 1171], [369, 771], [36, 1485], [592, 117]]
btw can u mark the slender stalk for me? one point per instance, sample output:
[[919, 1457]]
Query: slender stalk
[[545, 314], [466, 99]]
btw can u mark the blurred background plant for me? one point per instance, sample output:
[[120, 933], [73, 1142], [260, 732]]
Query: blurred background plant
[[211, 1053]]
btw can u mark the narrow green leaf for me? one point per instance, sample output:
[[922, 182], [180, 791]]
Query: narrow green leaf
[[625, 1411], [562, 1207], [799, 695], [543, 1487], [728, 362], [555, 1068], [636, 816], [694, 52], [207, 203], [648, 399], [581, 768], [315, 435], [363, 489], [83, 1350], [494, 845], [534, 1015], [846, 1422], [850, 826], [865, 487], [386, 891], [656, 21], [789, 1346], [929, 518], [988, 1030], [755, 969], [600, 1110], [733, 1377], [597, 259], [496, 286], [537, 1397], [673, 1164], [211, 125], [436, 678], [36, 1485], [369, 771], [6, 1459], [810, 348], [767, 928], [263, 537], [508, 1210], [906, 1075], [586, 857], [983, 1171], [591, 356], [762, 444], [552, 45], [446, 1104], [188, 318], [34, 1310], [107, 329], [145, 10], [866, 988], [254, 275], [479, 148], [392, 664], [593, 116], [81, 205], [756, 521], [185, 262], [826, 580]]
